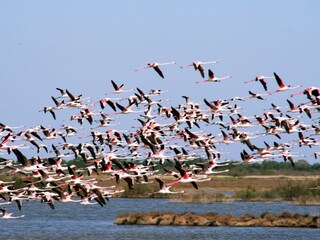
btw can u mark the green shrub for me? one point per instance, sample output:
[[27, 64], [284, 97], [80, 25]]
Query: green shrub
[[248, 194]]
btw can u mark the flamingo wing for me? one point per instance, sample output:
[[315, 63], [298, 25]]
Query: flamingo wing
[[122, 108], [70, 95], [157, 69], [264, 84], [161, 183], [21, 158], [211, 74], [130, 182], [279, 81], [115, 86], [194, 184], [111, 104], [201, 70]]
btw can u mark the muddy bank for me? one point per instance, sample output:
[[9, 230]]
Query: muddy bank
[[213, 219]]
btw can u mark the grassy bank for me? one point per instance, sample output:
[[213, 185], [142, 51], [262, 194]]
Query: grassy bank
[[273, 188]]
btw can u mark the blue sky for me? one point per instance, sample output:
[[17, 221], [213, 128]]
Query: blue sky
[[82, 45]]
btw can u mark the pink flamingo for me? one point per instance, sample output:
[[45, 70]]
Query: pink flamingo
[[282, 86], [198, 66], [156, 67], [213, 78], [308, 91], [7, 215], [261, 79], [165, 187]]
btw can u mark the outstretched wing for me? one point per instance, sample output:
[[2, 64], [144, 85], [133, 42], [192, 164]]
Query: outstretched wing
[[157, 69]]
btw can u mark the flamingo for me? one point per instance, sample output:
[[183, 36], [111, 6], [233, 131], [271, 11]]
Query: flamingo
[[49, 134], [7, 215], [198, 66], [45, 177], [72, 97], [51, 110], [213, 78], [307, 141], [264, 152], [59, 105], [315, 91], [316, 130], [32, 141], [104, 123], [157, 91], [260, 120], [155, 153], [165, 187], [103, 102], [63, 93], [126, 110], [156, 67], [7, 138], [182, 156], [257, 95], [119, 89], [316, 154], [188, 178], [4, 127], [129, 143], [7, 189], [290, 158], [33, 131], [209, 169], [247, 158], [282, 86], [85, 200], [261, 79], [226, 138]]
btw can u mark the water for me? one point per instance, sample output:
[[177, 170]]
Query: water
[[75, 221]]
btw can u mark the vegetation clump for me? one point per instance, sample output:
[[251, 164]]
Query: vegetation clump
[[266, 219]]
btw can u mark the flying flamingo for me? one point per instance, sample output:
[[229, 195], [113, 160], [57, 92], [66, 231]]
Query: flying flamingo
[[308, 91], [213, 78], [119, 89], [261, 79], [316, 154], [155, 66], [9, 137], [186, 177], [257, 95], [126, 110], [165, 187], [4, 127], [293, 108], [282, 86], [209, 169], [63, 93], [51, 110], [198, 66], [247, 158], [109, 101], [7, 215]]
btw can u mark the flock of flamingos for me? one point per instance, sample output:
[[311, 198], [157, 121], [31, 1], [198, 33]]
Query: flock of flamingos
[[160, 134]]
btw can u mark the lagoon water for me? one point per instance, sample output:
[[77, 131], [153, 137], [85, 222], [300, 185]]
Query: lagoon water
[[75, 221]]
